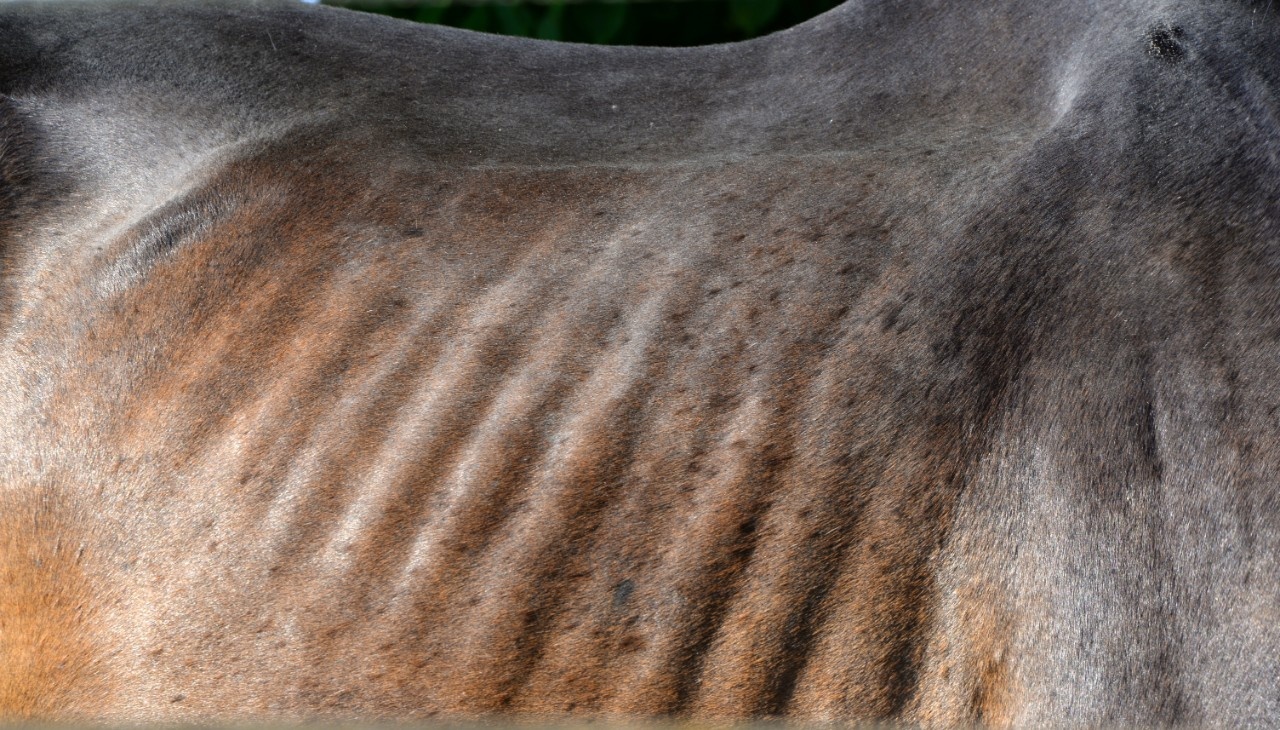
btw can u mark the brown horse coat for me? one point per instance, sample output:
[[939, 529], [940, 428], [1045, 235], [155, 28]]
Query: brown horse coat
[[919, 363]]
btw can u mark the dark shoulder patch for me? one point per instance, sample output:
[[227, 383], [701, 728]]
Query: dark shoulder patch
[[18, 161], [19, 54]]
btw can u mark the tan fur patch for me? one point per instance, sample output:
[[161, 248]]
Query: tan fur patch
[[46, 617]]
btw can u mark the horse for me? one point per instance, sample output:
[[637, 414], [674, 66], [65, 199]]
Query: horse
[[915, 364]]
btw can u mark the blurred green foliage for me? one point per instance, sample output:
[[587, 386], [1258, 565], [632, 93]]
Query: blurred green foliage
[[645, 23]]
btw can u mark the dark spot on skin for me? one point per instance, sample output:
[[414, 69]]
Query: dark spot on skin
[[1163, 42], [631, 643], [622, 593], [177, 698], [413, 232], [945, 349]]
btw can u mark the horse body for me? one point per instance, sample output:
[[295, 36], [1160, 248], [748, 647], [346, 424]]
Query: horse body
[[915, 363]]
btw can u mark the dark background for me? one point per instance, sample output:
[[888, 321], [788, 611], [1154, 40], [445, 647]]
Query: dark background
[[636, 22]]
